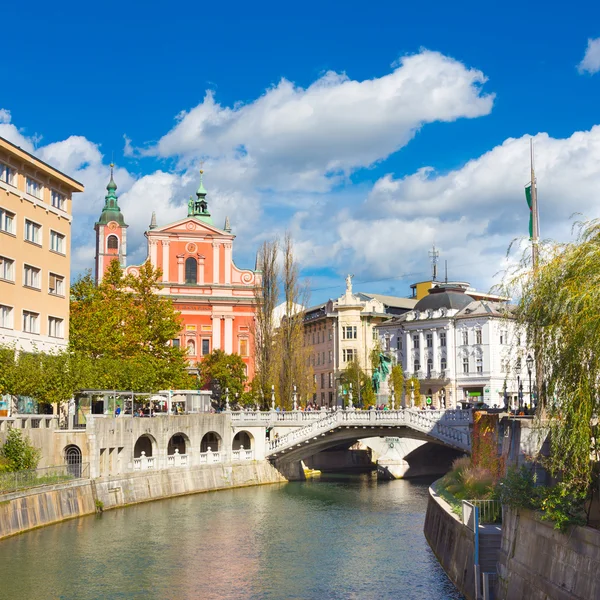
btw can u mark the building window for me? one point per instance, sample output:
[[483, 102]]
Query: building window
[[518, 365], [417, 366], [318, 358], [58, 200], [33, 232], [7, 175], [429, 339], [466, 365], [191, 270], [7, 221], [34, 188], [465, 337], [57, 242], [330, 334], [322, 380], [175, 343], [479, 364], [112, 242], [374, 334], [330, 380], [191, 348], [502, 337], [243, 346], [31, 277], [30, 322], [386, 344], [416, 341], [55, 327], [443, 339], [429, 366], [331, 356], [349, 332], [478, 336], [348, 354], [398, 342], [7, 269], [57, 285], [6, 317], [206, 347], [443, 363]]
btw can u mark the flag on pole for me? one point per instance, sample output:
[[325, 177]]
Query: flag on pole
[[529, 203]]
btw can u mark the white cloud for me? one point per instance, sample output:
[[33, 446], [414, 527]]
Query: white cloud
[[591, 60], [10, 132], [471, 214], [309, 139]]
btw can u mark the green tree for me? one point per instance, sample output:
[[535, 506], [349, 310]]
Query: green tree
[[228, 369], [18, 453], [362, 386], [413, 389], [559, 309], [397, 381]]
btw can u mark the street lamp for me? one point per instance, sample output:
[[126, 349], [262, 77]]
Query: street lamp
[[520, 392], [529, 363]]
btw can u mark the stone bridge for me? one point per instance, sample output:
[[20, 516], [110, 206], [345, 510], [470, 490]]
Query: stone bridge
[[318, 431]]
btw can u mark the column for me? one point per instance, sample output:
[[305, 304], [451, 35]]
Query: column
[[216, 262], [216, 333], [123, 247], [153, 250], [180, 271], [228, 341], [165, 260], [227, 265], [422, 353], [200, 279]]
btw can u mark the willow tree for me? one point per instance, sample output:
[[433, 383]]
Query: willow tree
[[559, 309]]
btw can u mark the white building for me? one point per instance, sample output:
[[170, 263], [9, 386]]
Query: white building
[[462, 350]]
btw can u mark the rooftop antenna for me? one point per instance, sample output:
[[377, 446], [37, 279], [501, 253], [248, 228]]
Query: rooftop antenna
[[446, 281], [434, 256]]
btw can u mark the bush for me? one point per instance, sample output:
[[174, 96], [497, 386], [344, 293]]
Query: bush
[[468, 482], [19, 453]]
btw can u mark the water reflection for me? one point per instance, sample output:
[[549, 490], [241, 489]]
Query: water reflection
[[340, 538]]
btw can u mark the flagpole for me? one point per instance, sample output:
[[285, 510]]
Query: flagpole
[[535, 233], [535, 237]]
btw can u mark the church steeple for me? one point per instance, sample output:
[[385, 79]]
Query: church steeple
[[111, 210], [199, 208]]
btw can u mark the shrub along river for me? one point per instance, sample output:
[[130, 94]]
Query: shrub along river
[[338, 538]]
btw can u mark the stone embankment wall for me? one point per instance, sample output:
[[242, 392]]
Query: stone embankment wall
[[29, 509], [451, 542], [538, 562]]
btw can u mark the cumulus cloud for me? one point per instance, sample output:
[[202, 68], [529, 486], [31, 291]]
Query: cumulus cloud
[[591, 60], [471, 214], [10, 132], [293, 139]]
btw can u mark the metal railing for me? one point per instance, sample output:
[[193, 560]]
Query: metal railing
[[490, 511], [21, 480]]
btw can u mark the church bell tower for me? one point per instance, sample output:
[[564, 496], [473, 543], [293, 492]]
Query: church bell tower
[[111, 232]]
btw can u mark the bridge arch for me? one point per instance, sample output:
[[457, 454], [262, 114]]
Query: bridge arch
[[145, 443], [243, 438], [179, 441], [211, 440]]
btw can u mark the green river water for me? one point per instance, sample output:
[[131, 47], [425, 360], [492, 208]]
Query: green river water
[[338, 538]]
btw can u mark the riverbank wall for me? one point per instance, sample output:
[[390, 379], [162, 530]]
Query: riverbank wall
[[452, 543], [538, 562], [29, 509]]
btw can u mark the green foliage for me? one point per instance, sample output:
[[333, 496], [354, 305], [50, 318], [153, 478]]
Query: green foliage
[[413, 388], [468, 482], [559, 309], [354, 374], [517, 489], [227, 369], [397, 380], [120, 333], [18, 452]]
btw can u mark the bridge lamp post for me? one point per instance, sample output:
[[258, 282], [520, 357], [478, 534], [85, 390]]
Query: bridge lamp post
[[412, 394], [350, 397], [273, 397], [295, 398], [393, 399], [529, 363]]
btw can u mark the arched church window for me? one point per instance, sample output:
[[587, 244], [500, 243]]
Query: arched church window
[[191, 270], [112, 243]]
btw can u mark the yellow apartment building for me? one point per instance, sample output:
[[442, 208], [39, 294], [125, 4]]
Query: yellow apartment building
[[35, 251]]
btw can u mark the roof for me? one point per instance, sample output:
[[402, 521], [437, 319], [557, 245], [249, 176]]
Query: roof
[[72, 183], [392, 301], [486, 308], [444, 296]]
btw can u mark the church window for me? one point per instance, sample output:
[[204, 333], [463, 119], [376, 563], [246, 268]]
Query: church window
[[205, 347], [191, 270], [112, 243], [243, 346]]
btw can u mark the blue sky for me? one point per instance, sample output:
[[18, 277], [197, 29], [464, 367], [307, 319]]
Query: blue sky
[[369, 131]]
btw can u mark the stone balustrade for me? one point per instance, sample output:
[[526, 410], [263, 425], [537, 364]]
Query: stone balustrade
[[29, 422]]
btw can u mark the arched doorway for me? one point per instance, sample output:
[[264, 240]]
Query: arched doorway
[[73, 460], [178, 442], [242, 439], [210, 440], [144, 444]]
